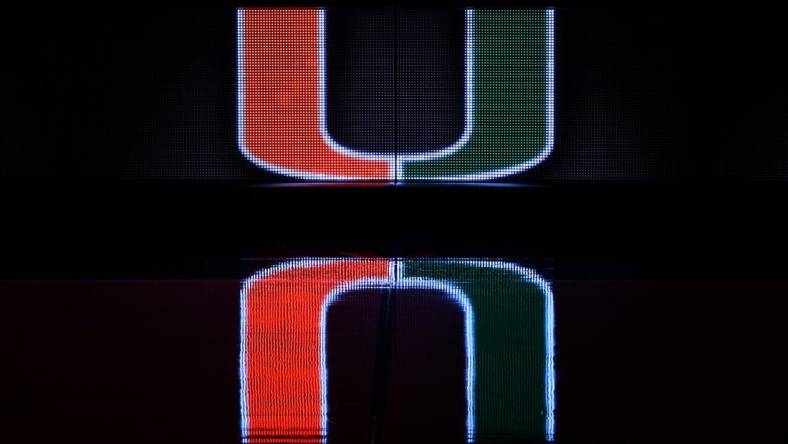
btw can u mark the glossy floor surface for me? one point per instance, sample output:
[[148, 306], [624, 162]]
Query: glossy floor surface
[[384, 350]]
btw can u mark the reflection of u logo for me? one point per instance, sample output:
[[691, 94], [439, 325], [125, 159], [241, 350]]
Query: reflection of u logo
[[507, 314], [508, 101]]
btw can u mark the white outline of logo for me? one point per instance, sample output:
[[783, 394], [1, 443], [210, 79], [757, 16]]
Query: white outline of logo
[[395, 275], [396, 164]]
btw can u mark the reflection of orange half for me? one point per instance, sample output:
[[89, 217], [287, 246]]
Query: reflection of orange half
[[280, 98], [280, 348]]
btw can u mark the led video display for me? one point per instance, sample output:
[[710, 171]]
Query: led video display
[[462, 347], [386, 93], [395, 95]]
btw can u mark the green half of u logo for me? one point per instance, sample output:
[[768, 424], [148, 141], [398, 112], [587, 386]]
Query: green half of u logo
[[513, 322], [508, 101]]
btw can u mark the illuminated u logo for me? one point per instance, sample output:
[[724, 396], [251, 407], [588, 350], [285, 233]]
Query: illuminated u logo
[[506, 317], [507, 124]]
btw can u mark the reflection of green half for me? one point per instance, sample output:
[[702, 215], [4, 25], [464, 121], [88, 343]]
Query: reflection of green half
[[514, 387], [512, 99]]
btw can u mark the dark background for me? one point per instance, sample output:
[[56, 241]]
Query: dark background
[[658, 91]]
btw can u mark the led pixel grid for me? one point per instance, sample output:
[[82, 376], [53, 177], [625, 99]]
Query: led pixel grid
[[478, 334], [392, 95]]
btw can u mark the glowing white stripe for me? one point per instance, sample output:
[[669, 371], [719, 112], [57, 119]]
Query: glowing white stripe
[[549, 362]]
